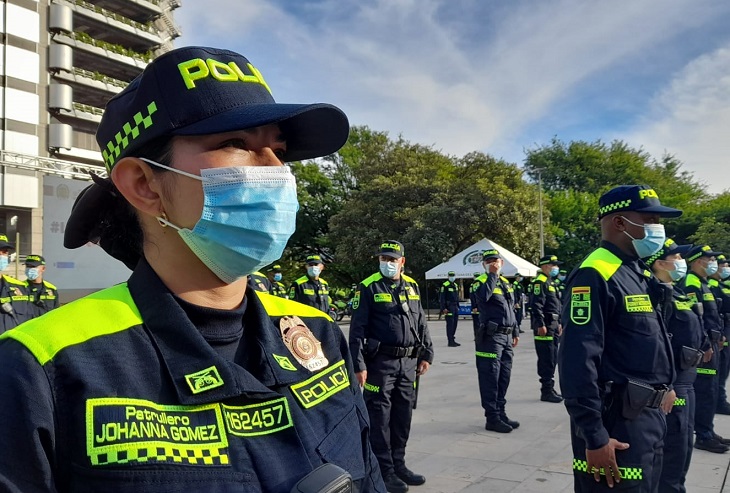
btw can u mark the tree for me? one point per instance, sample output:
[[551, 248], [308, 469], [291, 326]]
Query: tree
[[713, 233]]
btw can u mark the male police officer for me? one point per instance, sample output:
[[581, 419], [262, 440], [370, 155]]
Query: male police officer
[[519, 292], [390, 346], [496, 336], [560, 282], [42, 295], [311, 289], [259, 282], [449, 301], [473, 300], [277, 287], [615, 359], [545, 321], [14, 308], [703, 263], [719, 283]]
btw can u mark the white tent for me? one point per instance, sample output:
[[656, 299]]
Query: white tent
[[469, 261]]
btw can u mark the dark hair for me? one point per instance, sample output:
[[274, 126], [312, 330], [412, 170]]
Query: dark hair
[[117, 229]]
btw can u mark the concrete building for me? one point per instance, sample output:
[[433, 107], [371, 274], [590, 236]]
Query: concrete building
[[61, 61]]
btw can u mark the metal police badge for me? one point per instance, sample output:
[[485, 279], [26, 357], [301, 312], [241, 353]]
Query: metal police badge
[[302, 344], [580, 305]]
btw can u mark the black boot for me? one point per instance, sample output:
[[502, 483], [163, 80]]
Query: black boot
[[497, 425], [454, 344], [514, 424], [551, 396], [410, 477], [394, 484]]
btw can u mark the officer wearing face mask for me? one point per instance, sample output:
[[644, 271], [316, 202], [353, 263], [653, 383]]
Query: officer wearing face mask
[[545, 322], [258, 281], [449, 302], [519, 291], [703, 264], [391, 346], [684, 324], [14, 308], [277, 287], [560, 282], [615, 358], [311, 289], [473, 300], [42, 295], [719, 283]]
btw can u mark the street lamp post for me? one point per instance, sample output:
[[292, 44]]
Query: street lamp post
[[542, 234]]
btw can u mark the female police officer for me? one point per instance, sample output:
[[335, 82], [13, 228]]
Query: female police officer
[[182, 379]]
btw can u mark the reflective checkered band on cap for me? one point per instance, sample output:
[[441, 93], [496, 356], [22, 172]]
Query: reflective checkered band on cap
[[194, 456], [130, 131], [615, 206], [680, 402], [635, 473]]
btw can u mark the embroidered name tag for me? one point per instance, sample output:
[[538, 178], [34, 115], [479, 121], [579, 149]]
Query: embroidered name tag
[[383, 298], [322, 386], [638, 303]]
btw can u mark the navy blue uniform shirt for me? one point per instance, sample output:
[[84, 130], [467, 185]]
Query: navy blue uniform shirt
[[496, 303], [449, 293], [544, 300]]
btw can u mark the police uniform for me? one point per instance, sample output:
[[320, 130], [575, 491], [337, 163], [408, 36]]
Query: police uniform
[[389, 337], [259, 282], [519, 292], [310, 291], [17, 310], [707, 383], [449, 301], [122, 388], [497, 328], [612, 335], [721, 290], [42, 296], [277, 287], [473, 300], [560, 282]]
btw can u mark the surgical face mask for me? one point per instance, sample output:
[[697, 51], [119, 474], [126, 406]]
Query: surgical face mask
[[277, 277], [4, 261], [32, 273], [314, 270], [390, 269], [653, 239], [711, 267], [561, 277], [725, 272], [554, 272], [452, 278], [486, 268], [248, 215], [680, 270]]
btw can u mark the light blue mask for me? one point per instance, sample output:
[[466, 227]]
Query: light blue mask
[[389, 269], [725, 272], [277, 277], [314, 270], [554, 272], [680, 270], [561, 278], [4, 261], [249, 213], [711, 268], [652, 242], [32, 273]]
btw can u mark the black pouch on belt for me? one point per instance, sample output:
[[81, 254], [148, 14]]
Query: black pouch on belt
[[715, 336], [492, 328], [636, 397], [371, 347], [690, 358]]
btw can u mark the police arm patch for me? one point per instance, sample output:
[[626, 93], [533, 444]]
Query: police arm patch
[[356, 300], [580, 305]]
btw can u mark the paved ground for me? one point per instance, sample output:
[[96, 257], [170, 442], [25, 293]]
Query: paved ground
[[449, 445]]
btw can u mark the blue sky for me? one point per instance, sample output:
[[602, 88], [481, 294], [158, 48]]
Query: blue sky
[[497, 76]]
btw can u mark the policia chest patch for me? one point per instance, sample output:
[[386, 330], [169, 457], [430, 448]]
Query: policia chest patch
[[580, 305]]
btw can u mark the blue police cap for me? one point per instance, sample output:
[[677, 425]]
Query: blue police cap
[[637, 198], [701, 251], [670, 247]]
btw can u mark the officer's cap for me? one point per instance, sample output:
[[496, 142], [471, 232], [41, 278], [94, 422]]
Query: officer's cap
[[549, 260], [451, 273], [490, 254], [314, 259], [477, 274], [34, 260], [722, 259], [563, 271], [391, 248], [5, 244], [638, 198], [275, 268], [670, 247], [701, 251]]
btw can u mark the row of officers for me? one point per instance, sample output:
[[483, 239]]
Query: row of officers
[[23, 300]]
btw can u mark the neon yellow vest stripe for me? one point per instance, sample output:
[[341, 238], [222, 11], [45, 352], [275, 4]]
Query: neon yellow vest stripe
[[604, 262]]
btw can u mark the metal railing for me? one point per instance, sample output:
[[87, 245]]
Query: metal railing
[[98, 76], [117, 17], [50, 166], [87, 108], [85, 38]]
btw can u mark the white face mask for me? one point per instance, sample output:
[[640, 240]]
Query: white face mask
[[389, 269], [452, 279]]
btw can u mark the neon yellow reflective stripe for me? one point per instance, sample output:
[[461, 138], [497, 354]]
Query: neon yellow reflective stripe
[[603, 261], [635, 473], [543, 338], [692, 280], [375, 277], [280, 307], [498, 291], [372, 388], [486, 355], [680, 402], [107, 312], [706, 371]]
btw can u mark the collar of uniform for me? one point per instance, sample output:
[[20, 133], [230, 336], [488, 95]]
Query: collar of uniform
[[631, 261], [183, 349]]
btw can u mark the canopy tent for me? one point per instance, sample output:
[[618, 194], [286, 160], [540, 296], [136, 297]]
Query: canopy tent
[[469, 261]]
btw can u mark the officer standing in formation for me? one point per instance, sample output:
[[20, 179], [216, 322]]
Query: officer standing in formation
[[390, 346], [721, 290], [473, 300], [449, 302], [615, 358], [560, 282], [702, 264], [278, 288], [684, 325], [519, 292], [14, 308], [258, 281], [497, 335], [546, 327], [310, 289], [42, 295]]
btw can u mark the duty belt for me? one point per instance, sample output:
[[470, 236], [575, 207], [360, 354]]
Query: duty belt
[[398, 351], [504, 329], [656, 399]]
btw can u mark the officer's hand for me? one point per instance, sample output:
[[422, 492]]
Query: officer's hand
[[423, 367], [668, 401], [361, 376], [515, 341], [722, 343], [495, 266], [444, 311], [474, 311], [708, 355], [605, 458], [542, 331], [560, 330]]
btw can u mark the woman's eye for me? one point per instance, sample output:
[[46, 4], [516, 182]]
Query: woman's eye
[[280, 153], [237, 143]]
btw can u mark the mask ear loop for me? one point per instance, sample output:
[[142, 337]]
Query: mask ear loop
[[162, 219]]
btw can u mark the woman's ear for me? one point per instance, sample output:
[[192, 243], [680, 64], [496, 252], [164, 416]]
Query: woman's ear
[[136, 181]]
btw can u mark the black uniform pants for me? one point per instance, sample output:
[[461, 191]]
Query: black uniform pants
[[452, 319], [722, 373], [475, 321], [706, 388], [679, 441], [494, 369], [389, 394], [519, 314], [547, 355], [640, 464]]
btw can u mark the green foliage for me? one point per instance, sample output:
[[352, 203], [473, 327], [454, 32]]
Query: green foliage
[[714, 233]]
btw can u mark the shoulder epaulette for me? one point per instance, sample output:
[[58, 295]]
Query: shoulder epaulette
[[280, 307], [408, 279], [483, 278], [692, 280], [504, 279], [301, 280], [323, 281], [12, 280], [105, 312], [258, 273], [375, 277], [446, 282], [602, 261], [49, 285], [713, 283], [541, 277]]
